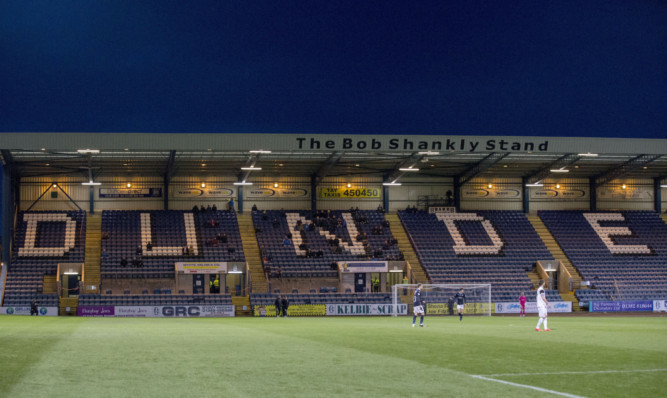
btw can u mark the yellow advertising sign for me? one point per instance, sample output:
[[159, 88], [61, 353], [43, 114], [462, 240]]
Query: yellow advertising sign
[[470, 308], [350, 193], [292, 310]]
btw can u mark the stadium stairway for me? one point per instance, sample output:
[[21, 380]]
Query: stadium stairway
[[93, 252], [664, 217], [49, 285], [405, 246], [251, 251], [558, 254]]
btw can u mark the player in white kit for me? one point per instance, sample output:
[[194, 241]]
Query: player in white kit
[[542, 306]]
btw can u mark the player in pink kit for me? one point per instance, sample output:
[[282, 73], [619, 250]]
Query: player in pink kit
[[522, 303]]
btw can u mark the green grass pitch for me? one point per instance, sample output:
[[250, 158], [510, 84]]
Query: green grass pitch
[[324, 357]]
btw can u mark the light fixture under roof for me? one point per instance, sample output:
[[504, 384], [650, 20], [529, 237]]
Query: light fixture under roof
[[588, 155], [251, 168], [391, 184], [408, 169], [663, 185], [429, 153], [559, 170], [536, 184], [88, 150], [259, 151], [91, 183], [243, 183]]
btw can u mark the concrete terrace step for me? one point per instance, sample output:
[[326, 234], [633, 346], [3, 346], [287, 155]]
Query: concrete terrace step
[[251, 250], [404, 245]]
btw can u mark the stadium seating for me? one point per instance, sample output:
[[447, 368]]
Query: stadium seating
[[272, 226], [623, 254], [493, 247], [168, 233], [154, 299], [43, 239]]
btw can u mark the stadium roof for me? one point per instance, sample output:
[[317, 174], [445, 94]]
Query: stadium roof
[[292, 155]]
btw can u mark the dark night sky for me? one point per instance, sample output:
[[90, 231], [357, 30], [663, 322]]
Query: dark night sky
[[553, 68]]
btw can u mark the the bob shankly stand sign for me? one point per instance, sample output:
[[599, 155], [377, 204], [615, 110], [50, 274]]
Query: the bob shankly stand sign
[[333, 142], [435, 144]]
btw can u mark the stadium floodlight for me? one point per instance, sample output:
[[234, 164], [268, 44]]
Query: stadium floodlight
[[391, 184], [559, 170], [663, 186], [259, 151], [91, 182], [428, 153], [85, 151], [588, 155], [243, 183], [536, 184], [408, 169], [251, 168], [71, 273], [478, 297]]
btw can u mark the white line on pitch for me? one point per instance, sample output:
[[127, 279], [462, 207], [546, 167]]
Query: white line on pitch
[[577, 373], [563, 394]]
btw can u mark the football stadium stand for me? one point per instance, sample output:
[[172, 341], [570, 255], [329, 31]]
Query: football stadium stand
[[318, 239], [43, 239], [622, 254], [495, 247], [152, 241], [154, 299]]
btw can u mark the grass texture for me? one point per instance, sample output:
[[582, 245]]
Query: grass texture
[[325, 357]]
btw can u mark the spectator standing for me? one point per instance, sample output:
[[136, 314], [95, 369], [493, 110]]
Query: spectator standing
[[279, 305]]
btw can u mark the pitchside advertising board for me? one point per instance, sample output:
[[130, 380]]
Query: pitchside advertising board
[[531, 307], [43, 311], [622, 306], [333, 310], [151, 311], [660, 306], [444, 308]]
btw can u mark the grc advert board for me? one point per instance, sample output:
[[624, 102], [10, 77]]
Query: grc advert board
[[531, 307], [154, 311], [621, 306], [25, 310]]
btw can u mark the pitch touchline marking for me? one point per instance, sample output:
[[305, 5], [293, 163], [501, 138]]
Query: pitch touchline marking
[[527, 386], [576, 373]]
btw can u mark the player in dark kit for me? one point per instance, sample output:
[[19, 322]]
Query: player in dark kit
[[418, 306], [460, 299]]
